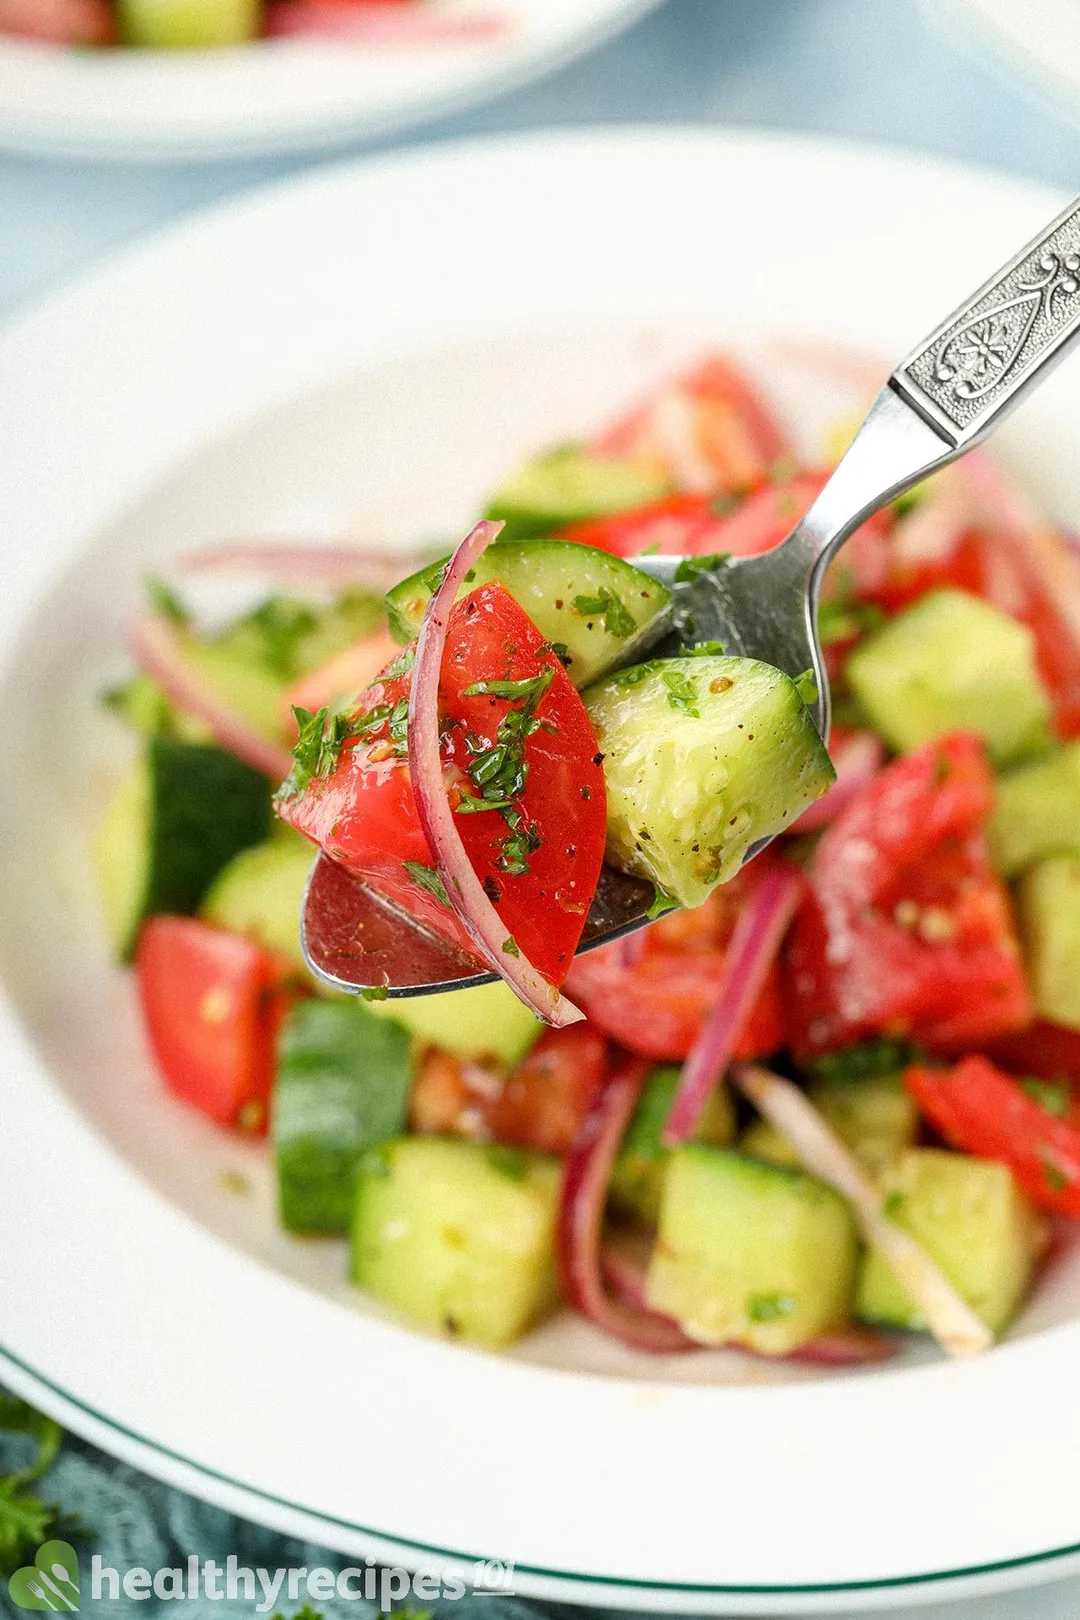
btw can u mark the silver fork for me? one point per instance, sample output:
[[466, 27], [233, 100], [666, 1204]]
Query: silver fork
[[947, 396]]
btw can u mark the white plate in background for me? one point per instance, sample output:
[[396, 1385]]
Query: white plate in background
[[277, 95], [520, 291]]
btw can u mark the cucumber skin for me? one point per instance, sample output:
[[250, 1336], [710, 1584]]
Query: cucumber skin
[[736, 1236], [973, 1220], [343, 1083], [195, 809], [687, 796], [544, 577], [569, 485], [446, 1234], [637, 1180]]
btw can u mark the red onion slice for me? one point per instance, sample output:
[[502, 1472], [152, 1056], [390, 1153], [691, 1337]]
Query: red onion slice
[[157, 648], [381, 24], [464, 890], [292, 563], [857, 762], [581, 1217], [850, 1346], [948, 1315], [759, 932]]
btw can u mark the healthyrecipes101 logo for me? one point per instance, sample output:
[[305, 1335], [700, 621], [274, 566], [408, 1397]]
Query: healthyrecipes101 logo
[[51, 1583]]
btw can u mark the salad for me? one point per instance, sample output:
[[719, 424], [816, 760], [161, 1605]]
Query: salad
[[825, 1098], [198, 24]]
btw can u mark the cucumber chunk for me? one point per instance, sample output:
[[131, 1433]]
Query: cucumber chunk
[[702, 756], [261, 891], [953, 663], [1049, 899], [1037, 812], [487, 1022], [568, 485], [637, 1180], [591, 606], [750, 1253], [187, 24], [459, 1237], [342, 1086], [875, 1117], [973, 1220], [177, 818]]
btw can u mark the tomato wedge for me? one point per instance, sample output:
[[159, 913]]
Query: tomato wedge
[[64, 22], [653, 993], [708, 428], [510, 717], [981, 1110], [213, 1003], [540, 1105], [906, 931], [695, 525], [1047, 1050]]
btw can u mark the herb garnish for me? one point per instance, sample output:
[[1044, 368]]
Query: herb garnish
[[839, 620], [26, 1521], [402, 664], [165, 601], [510, 947], [499, 773], [618, 620], [427, 877], [316, 751], [635, 674], [869, 1061], [690, 567], [682, 693], [374, 992], [770, 1307], [1053, 1096], [705, 649]]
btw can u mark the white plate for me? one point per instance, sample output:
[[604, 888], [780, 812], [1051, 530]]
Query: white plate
[[520, 291], [279, 95], [1041, 37]]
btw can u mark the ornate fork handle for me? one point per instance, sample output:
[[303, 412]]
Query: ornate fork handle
[[979, 363]]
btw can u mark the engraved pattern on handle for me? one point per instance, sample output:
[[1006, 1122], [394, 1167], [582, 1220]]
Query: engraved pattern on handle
[[979, 360]]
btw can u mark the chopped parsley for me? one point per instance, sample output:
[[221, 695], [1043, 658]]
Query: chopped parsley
[[427, 877], [165, 601], [894, 1203], [316, 751], [682, 693], [705, 649], [511, 1162], [770, 1307], [635, 674], [374, 992], [1053, 1096], [402, 664], [510, 947], [807, 687], [690, 567], [1056, 1179], [617, 618], [499, 773]]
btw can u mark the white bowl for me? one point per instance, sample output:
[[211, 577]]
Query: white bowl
[[472, 304], [277, 95]]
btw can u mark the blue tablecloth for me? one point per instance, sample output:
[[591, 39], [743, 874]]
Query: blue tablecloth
[[884, 70]]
